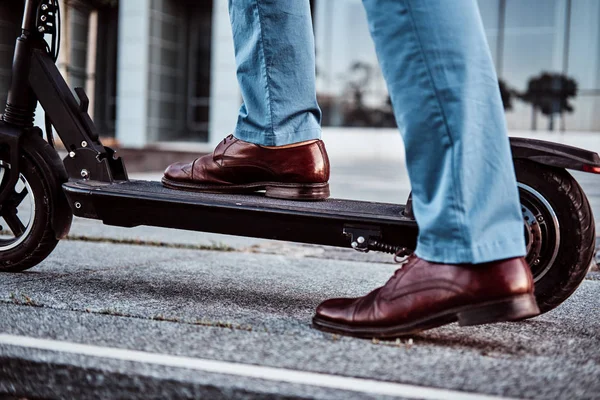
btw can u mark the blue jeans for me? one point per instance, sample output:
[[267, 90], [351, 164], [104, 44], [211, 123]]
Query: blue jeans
[[444, 90]]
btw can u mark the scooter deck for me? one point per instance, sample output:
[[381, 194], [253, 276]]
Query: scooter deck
[[134, 203]]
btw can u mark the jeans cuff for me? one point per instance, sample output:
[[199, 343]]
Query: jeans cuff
[[278, 139], [451, 253]]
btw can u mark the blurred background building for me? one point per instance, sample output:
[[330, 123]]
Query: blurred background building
[[162, 72]]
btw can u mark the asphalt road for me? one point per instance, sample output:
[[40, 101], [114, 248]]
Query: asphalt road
[[256, 309], [103, 318]]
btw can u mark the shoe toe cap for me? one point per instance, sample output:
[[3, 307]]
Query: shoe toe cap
[[178, 172], [336, 309]]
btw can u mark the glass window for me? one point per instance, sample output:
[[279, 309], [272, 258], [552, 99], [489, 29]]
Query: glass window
[[583, 65], [490, 14], [167, 55], [199, 71], [179, 70], [585, 116], [584, 44], [78, 46], [106, 70], [350, 85], [526, 38], [533, 43]]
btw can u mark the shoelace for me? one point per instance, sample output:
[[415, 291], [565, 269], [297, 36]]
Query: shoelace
[[229, 137], [402, 255], [402, 263]]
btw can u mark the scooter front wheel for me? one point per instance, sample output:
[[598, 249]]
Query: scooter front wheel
[[27, 235], [559, 231]]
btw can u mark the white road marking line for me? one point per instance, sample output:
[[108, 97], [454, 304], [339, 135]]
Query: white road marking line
[[360, 385]]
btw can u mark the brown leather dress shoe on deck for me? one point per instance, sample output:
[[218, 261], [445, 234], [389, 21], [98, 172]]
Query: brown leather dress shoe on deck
[[297, 172], [422, 295]]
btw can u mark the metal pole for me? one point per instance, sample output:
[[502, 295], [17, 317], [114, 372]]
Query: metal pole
[[567, 50], [29, 15], [20, 105], [500, 39]]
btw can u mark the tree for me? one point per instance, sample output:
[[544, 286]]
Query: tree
[[359, 78], [507, 94], [550, 93]]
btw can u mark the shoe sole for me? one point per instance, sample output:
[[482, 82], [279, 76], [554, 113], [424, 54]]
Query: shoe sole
[[511, 309], [277, 190]]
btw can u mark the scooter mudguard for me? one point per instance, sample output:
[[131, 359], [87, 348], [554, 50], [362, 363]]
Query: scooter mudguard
[[555, 154], [547, 153]]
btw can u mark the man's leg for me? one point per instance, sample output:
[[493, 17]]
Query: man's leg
[[275, 146], [275, 57], [469, 263], [445, 94]]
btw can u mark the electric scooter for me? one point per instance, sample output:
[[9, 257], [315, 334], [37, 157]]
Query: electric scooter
[[40, 193]]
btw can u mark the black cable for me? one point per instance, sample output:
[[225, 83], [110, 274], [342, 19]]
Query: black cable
[[53, 51], [57, 30], [53, 48], [56, 33]]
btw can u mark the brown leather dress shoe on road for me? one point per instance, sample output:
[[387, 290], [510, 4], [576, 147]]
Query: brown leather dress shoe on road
[[296, 172], [422, 295]]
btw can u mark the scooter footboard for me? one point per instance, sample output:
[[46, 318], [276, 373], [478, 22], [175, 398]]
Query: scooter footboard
[[330, 222]]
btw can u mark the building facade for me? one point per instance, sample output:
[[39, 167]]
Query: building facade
[[163, 71], [527, 38]]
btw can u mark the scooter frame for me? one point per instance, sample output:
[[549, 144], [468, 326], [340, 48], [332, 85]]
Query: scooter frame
[[95, 172]]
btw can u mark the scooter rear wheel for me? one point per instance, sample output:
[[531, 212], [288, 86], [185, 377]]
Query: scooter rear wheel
[[27, 236], [559, 231]]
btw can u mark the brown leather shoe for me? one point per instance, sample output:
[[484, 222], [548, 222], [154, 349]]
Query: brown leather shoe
[[422, 295], [299, 172]]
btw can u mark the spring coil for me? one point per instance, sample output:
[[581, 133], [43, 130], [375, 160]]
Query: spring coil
[[385, 247], [18, 116]]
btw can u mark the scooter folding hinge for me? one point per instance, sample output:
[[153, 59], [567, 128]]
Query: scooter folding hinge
[[361, 236]]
